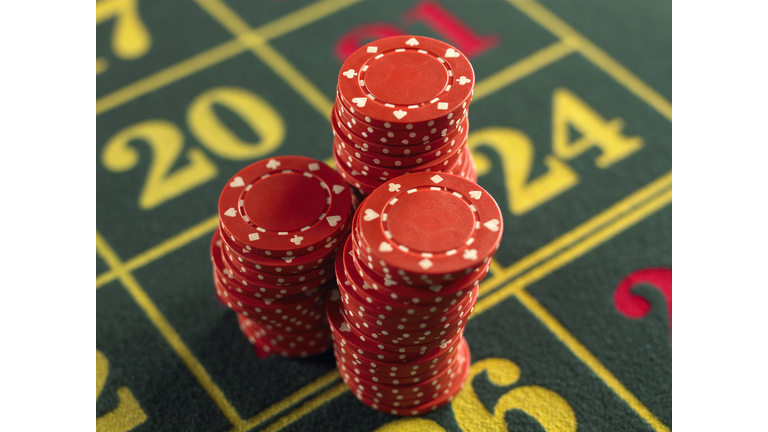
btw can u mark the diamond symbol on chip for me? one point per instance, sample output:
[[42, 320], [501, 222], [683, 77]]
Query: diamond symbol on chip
[[425, 264], [470, 254], [436, 178], [273, 164], [314, 166], [492, 225], [349, 74], [371, 49], [463, 80], [254, 236], [412, 42], [442, 106], [394, 187], [297, 239]]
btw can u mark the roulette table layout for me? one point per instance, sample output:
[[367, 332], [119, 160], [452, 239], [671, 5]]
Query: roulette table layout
[[571, 134]]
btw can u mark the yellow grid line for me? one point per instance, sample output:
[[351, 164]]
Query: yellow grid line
[[292, 399], [105, 251], [521, 69], [500, 275], [218, 54], [642, 210], [591, 52], [273, 59]]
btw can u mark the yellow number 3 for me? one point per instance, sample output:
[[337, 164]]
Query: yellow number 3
[[128, 413]]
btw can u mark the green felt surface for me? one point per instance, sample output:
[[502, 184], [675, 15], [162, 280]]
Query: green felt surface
[[173, 356]]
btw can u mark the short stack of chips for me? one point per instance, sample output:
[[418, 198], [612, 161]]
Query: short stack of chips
[[281, 223], [408, 278], [401, 107]]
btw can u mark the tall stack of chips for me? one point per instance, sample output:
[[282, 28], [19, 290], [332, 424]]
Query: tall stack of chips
[[281, 223], [407, 281], [401, 107]]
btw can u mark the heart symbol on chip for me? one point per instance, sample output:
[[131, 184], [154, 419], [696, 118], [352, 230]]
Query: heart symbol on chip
[[370, 215], [451, 53], [492, 225], [337, 189], [399, 114], [333, 220], [360, 101], [385, 247], [231, 212], [237, 182], [345, 327], [475, 194]]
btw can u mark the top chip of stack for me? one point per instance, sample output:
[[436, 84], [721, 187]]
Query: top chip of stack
[[281, 222], [401, 107]]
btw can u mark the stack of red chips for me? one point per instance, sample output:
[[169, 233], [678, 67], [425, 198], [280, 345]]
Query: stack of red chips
[[408, 278], [401, 107], [281, 222]]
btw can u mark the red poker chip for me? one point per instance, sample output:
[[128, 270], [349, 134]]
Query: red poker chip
[[428, 225], [367, 154], [391, 137], [413, 321], [405, 299], [399, 393], [438, 154], [285, 205], [439, 397], [279, 266], [393, 373], [366, 324], [411, 347], [399, 374], [275, 279], [407, 295], [258, 289], [315, 341], [364, 186], [344, 335], [365, 145], [406, 80], [267, 290], [448, 158], [297, 316], [361, 296], [400, 369]]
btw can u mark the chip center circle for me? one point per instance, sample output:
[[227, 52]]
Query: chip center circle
[[431, 221], [406, 78], [285, 202]]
